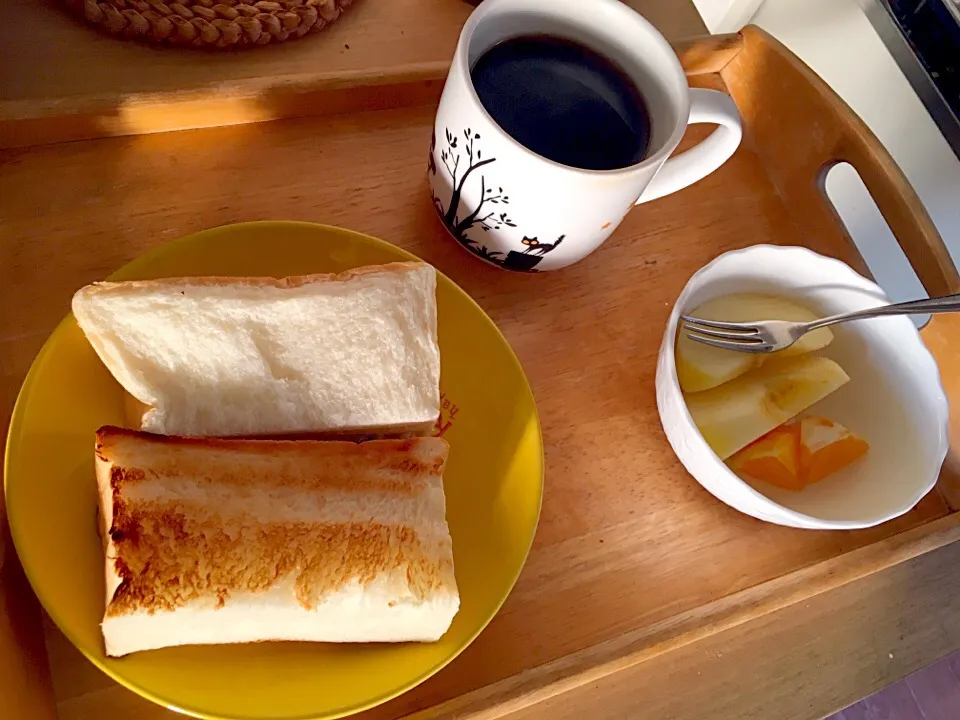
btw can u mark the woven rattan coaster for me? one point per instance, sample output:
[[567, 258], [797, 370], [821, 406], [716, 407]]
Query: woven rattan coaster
[[210, 23]]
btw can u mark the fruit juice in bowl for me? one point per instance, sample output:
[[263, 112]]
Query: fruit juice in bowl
[[841, 431]]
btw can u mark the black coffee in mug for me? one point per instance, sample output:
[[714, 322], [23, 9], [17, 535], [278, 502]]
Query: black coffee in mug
[[564, 101]]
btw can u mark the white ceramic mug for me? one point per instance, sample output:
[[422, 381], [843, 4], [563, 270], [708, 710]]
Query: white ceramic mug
[[521, 211]]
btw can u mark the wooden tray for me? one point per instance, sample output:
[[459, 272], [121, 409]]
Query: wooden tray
[[632, 557]]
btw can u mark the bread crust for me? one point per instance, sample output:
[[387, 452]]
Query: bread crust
[[335, 464], [284, 283]]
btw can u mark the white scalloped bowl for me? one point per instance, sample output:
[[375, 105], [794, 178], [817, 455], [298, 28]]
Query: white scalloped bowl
[[894, 398]]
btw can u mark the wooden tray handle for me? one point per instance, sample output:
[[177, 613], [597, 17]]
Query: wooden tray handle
[[801, 128]]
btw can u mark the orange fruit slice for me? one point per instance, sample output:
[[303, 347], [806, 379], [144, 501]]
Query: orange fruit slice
[[773, 458], [799, 453], [826, 447]]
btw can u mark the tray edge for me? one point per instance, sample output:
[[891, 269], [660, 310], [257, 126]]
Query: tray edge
[[596, 662]]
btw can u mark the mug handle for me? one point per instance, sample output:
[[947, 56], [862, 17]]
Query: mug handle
[[679, 171]]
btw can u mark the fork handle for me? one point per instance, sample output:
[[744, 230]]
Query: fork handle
[[931, 306]]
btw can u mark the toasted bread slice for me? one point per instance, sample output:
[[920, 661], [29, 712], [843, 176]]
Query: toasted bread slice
[[353, 353], [228, 541]]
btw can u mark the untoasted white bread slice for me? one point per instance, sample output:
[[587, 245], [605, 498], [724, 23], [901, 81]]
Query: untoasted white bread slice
[[227, 541], [355, 352]]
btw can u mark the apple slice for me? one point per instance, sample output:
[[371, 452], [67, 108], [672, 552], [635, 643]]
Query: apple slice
[[701, 367], [733, 415]]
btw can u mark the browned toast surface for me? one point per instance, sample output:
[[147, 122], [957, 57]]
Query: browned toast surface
[[198, 519]]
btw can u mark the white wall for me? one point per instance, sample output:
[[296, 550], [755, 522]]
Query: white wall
[[726, 15]]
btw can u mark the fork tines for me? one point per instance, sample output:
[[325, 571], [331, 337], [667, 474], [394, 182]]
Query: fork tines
[[742, 337]]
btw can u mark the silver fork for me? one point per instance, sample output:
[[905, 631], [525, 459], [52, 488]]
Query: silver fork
[[766, 336]]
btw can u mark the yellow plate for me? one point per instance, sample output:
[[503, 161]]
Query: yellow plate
[[494, 484]]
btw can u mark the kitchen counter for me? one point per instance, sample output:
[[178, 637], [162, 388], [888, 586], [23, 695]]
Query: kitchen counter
[[62, 80]]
